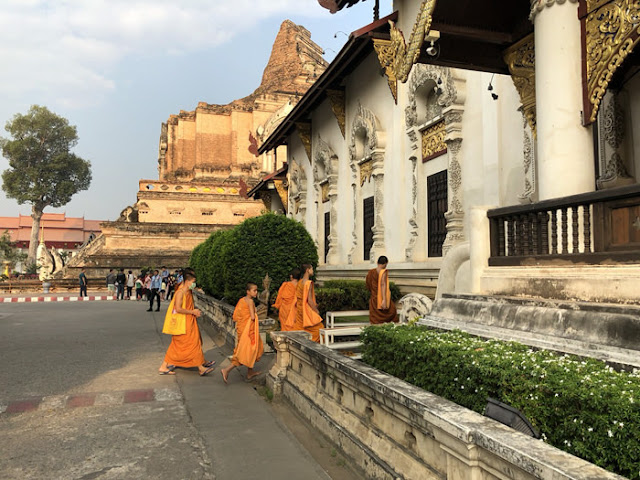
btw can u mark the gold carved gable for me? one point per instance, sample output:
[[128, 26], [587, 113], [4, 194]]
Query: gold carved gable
[[611, 32], [283, 193], [521, 60], [304, 132], [395, 56], [338, 102]]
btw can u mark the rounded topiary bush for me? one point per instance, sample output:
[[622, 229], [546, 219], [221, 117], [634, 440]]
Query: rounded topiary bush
[[270, 243], [195, 260], [214, 265]]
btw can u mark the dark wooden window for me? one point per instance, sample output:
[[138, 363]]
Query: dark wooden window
[[367, 224], [327, 232], [437, 207]]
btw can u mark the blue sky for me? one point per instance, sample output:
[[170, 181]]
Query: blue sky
[[118, 68]]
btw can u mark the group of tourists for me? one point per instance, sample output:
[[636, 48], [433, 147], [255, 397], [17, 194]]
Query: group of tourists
[[297, 310]]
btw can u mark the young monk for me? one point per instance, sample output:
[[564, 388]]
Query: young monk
[[286, 301], [249, 346], [307, 315], [186, 350], [381, 307]]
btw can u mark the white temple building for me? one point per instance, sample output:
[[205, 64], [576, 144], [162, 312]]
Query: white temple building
[[487, 147]]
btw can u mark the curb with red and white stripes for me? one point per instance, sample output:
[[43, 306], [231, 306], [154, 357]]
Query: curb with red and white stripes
[[56, 402], [70, 298]]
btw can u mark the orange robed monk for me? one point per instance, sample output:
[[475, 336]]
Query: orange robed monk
[[307, 315], [286, 301], [186, 350], [381, 307], [249, 346]]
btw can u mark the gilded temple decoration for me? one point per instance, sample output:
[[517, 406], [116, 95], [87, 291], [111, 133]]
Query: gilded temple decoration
[[395, 56], [304, 132], [433, 144], [338, 102], [324, 188], [521, 59], [366, 170], [386, 51], [612, 30], [283, 192]]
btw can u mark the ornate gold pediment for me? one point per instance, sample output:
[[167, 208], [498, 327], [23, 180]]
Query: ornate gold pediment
[[612, 31], [283, 193], [433, 144], [521, 60], [395, 56], [304, 132], [338, 102], [366, 170], [324, 188]]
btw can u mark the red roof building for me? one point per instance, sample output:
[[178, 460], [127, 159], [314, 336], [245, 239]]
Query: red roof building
[[59, 231]]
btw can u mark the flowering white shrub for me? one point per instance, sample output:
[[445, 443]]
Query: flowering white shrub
[[582, 406]]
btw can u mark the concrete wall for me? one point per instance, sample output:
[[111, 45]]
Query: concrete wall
[[393, 430]]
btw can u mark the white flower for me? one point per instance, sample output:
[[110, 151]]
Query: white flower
[[610, 433], [590, 429]]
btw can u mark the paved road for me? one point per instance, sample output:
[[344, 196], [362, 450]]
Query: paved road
[[80, 398]]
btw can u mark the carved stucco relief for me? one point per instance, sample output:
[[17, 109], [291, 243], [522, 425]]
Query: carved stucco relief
[[611, 131], [298, 191], [325, 169], [366, 126], [451, 100], [529, 195]]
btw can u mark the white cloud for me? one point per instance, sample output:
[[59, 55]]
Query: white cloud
[[66, 49]]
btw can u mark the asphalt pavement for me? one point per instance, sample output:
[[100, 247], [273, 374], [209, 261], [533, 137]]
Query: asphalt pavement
[[81, 398]]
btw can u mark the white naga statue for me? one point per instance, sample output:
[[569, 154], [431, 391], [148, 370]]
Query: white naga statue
[[48, 262]]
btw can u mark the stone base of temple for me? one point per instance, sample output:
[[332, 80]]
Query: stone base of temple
[[136, 246]]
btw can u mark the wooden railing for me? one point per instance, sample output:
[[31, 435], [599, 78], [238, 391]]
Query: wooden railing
[[593, 228]]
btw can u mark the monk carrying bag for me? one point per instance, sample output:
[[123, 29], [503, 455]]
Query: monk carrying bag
[[174, 323]]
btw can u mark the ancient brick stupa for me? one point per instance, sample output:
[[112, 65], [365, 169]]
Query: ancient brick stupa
[[207, 162]]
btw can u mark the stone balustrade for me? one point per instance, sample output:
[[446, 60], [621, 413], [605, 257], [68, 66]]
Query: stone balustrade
[[394, 430]]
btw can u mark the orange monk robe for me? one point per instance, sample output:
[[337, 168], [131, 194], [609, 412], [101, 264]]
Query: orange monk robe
[[249, 346], [306, 318], [286, 305], [375, 283], [186, 350]]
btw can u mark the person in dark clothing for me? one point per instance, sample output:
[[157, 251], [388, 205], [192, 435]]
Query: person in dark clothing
[[156, 284], [121, 280], [83, 283]]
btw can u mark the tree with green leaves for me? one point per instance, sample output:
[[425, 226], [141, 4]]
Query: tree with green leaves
[[43, 172], [9, 252]]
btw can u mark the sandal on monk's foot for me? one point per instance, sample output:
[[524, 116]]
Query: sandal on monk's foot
[[169, 371], [209, 364], [207, 372]]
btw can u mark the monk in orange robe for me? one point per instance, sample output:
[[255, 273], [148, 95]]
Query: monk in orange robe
[[186, 350], [381, 307], [307, 315], [286, 301], [249, 346]]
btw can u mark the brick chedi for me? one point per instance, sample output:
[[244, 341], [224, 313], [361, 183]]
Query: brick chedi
[[207, 161]]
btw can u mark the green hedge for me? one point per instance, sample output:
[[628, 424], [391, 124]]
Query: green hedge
[[579, 405], [270, 243], [336, 295]]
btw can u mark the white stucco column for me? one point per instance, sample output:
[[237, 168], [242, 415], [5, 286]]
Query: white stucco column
[[565, 147]]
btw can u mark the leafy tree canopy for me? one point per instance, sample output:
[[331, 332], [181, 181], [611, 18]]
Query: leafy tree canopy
[[43, 171]]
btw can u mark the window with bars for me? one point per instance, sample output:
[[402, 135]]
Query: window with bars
[[327, 232], [437, 205], [367, 224]]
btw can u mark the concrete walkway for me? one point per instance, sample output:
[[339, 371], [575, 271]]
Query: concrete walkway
[[243, 437]]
